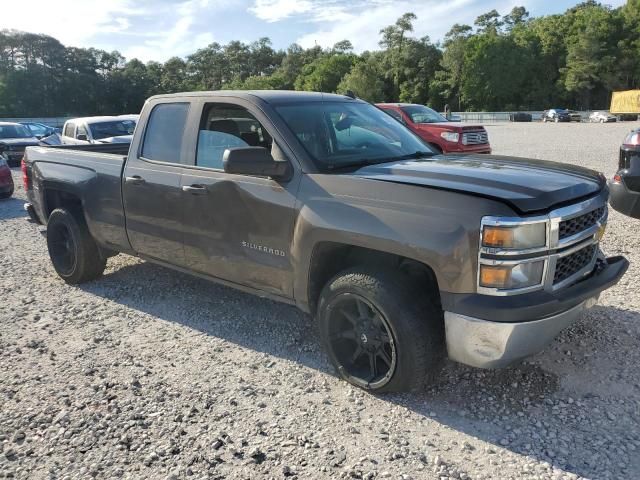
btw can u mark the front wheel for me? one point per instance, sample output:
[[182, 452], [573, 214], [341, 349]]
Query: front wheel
[[74, 253], [381, 333]]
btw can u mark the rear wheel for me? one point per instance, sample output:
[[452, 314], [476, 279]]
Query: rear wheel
[[380, 332], [6, 194], [74, 253]]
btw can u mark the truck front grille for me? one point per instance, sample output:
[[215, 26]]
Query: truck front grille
[[475, 138], [568, 266], [578, 224]]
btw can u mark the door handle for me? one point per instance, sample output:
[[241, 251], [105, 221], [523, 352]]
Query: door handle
[[135, 180], [195, 189]]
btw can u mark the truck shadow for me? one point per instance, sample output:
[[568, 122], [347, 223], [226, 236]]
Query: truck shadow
[[525, 409]]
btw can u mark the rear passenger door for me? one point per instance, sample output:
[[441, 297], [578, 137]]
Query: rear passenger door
[[237, 227], [152, 185]]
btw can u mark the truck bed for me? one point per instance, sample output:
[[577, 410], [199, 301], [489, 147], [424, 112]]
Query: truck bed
[[92, 173], [115, 148]]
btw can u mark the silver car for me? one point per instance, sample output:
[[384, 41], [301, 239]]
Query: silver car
[[602, 117]]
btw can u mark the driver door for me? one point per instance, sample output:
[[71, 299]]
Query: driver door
[[237, 227]]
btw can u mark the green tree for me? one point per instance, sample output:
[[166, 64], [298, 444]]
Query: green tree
[[365, 80]]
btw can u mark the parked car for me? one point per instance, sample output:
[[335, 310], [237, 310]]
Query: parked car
[[574, 116], [556, 115], [14, 138], [87, 130], [6, 180], [443, 135], [329, 204], [602, 117], [520, 117], [625, 185], [40, 130]]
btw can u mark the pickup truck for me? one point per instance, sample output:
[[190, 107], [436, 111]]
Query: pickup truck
[[87, 130], [442, 134], [402, 255]]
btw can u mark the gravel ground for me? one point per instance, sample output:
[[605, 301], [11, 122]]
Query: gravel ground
[[149, 374]]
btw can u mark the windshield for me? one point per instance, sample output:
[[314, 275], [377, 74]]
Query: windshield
[[14, 131], [342, 134], [112, 129], [422, 114]]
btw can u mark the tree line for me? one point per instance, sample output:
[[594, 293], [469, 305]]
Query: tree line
[[502, 62]]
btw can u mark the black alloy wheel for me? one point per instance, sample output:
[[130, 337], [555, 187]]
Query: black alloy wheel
[[62, 248], [361, 341]]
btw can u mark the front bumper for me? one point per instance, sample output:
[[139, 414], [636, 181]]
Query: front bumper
[[507, 329], [484, 344], [624, 200]]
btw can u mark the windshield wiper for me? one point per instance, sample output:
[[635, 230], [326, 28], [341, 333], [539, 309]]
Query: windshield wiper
[[374, 161], [410, 156]]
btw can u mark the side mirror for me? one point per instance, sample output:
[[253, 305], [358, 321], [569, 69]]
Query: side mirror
[[253, 161], [82, 136]]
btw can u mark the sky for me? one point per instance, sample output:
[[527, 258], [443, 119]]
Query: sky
[[161, 29]]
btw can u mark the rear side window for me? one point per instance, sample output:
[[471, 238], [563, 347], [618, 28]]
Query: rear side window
[[165, 129], [68, 130]]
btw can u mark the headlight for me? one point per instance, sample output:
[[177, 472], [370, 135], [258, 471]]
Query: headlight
[[450, 136], [515, 276], [517, 237]]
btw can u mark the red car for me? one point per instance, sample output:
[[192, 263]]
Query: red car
[[440, 133], [6, 182]]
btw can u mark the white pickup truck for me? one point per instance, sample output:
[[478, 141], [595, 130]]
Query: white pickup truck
[[87, 130]]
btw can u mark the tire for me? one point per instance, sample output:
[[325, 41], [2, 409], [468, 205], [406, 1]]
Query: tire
[[355, 310], [544, 119], [73, 252], [556, 119], [602, 120], [6, 194]]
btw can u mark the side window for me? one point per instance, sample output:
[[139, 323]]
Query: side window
[[81, 131], [68, 129], [165, 129], [224, 126], [395, 114]]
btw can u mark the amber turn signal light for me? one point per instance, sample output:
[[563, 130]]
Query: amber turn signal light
[[497, 237], [494, 276]]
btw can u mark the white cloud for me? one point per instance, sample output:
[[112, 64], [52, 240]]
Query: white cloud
[[69, 21], [362, 25], [276, 10], [147, 31]]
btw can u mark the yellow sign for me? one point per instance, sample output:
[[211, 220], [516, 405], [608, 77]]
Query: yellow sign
[[625, 102]]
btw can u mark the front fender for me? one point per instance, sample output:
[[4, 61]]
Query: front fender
[[438, 228]]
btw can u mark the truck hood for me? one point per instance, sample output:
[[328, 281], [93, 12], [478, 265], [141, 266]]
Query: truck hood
[[524, 184], [453, 126]]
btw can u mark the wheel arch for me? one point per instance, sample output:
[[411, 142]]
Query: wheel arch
[[329, 258]]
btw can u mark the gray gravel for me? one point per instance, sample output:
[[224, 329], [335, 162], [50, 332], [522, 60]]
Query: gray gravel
[[150, 374]]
